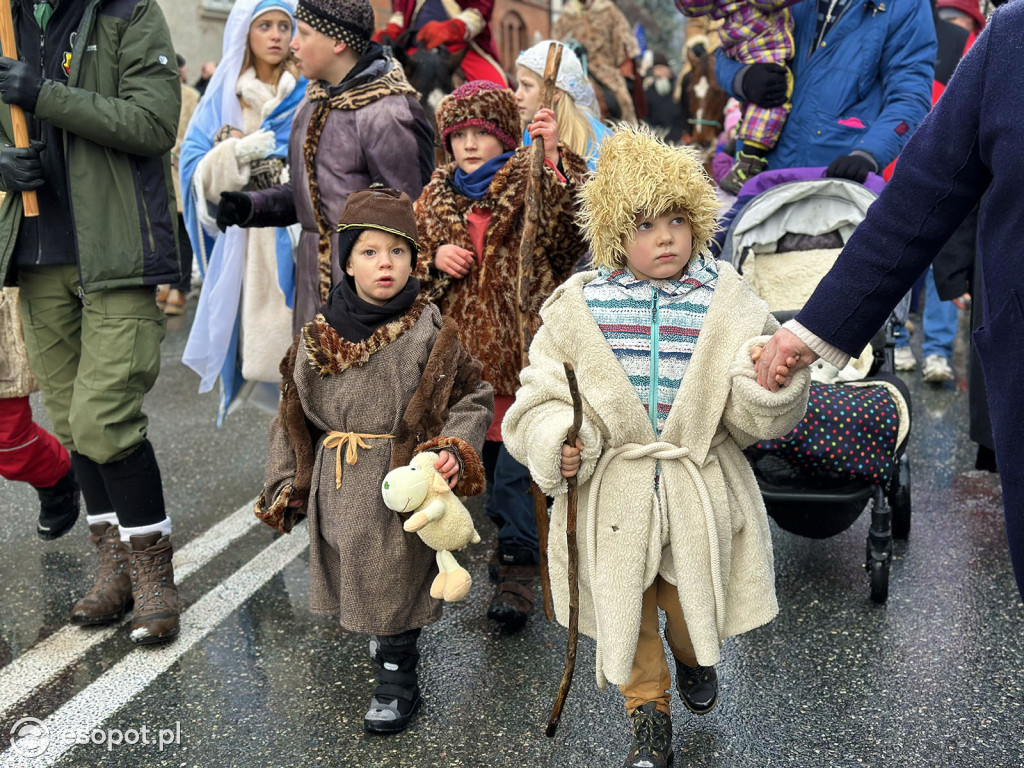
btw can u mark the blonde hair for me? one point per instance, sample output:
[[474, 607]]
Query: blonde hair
[[574, 129], [638, 173]]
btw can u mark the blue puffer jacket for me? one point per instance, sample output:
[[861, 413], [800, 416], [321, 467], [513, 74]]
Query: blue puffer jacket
[[874, 69]]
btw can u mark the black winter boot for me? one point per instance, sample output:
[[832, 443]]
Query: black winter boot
[[397, 696], [652, 738], [697, 686], [58, 507], [514, 596]]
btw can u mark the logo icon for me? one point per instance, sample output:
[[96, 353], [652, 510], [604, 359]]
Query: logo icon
[[30, 737]]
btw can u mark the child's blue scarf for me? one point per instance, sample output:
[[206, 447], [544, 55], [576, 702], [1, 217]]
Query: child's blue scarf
[[474, 185]]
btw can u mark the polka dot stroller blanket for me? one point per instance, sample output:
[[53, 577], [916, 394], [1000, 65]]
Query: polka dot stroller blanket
[[852, 430]]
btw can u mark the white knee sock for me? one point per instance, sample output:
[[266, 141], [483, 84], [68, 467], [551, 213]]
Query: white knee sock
[[164, 528], [106, 517]]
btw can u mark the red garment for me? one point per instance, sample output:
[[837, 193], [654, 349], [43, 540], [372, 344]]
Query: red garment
[[476, 67], [501, 404], [482, 61], [28, 453], [477, 221], [437, 33]]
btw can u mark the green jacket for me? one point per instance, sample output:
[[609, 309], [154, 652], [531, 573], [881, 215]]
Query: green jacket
[[119, 114]]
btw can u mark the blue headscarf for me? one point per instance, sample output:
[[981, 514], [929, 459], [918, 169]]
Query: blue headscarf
[[212, 349]]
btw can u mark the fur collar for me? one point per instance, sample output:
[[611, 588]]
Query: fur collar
[[261, 97], [329, 353], [392, 82]]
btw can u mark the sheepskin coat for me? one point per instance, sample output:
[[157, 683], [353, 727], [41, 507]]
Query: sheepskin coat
[[483, 303], [705, 530], [411, 380]]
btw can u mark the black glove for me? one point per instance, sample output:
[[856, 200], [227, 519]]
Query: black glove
[[20, 168], [853, 167], [765, 84], [235, 209], [19, 83]]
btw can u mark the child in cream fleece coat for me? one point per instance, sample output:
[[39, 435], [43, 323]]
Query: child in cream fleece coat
[[662, 338]]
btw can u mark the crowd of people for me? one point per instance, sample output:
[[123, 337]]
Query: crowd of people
[[385, 304]]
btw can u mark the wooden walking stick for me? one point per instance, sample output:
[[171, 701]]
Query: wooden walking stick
[[532, 221], [574, 560], [10, 50]]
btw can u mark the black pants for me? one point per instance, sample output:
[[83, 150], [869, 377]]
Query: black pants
[[185, 249]]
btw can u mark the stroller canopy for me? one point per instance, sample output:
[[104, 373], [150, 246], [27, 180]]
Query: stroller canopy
[[814, 207]]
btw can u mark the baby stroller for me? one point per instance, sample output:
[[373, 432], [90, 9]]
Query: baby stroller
[[850, 447]]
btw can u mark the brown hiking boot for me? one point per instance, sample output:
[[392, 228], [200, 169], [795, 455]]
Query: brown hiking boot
[[156, 597], [513, 599], [111, 595]]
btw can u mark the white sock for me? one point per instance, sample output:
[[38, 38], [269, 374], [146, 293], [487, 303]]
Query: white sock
[[164, 528], [106, 517]]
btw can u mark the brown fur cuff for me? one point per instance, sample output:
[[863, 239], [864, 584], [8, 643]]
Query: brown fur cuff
[[279, 515], [472, 481]]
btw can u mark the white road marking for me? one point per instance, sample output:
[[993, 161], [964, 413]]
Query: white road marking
[[130, 676], [47, 659]]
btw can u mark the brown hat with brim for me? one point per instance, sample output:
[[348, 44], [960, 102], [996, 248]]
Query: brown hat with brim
[[380, 208]]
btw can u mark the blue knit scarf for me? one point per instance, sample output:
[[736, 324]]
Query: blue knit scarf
[[474, 185]]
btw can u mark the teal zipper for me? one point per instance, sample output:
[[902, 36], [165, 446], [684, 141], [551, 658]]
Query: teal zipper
[[652, 397]]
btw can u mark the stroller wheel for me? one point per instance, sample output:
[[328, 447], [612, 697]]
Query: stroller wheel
[[878, 570], [900, 502]]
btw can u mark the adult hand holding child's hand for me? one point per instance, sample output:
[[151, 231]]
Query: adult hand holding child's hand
[[453, 260], [783, 355]]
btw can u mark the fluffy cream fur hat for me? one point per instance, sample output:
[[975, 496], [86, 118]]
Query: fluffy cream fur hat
[[639, 173]]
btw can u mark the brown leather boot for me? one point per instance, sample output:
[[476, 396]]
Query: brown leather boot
[[513, 599], [156, 597], [111, 595]]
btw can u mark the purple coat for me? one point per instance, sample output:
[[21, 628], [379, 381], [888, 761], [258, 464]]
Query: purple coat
[[360, 145]]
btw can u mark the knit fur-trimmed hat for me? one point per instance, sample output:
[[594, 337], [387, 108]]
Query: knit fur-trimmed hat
[[639, 173], [482, 104], [377, 208], [351, 21]]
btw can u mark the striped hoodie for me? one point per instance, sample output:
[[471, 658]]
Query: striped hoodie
[[652, 327]]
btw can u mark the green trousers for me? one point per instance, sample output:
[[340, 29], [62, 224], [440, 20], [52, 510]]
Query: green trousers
[[95, 357]]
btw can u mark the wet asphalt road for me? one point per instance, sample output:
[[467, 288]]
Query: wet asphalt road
[[933, 678]]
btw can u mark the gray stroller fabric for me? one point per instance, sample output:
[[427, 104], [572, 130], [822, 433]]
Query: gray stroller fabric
[[814, 208]]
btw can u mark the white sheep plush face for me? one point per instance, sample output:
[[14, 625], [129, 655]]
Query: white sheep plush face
[[405, 488]]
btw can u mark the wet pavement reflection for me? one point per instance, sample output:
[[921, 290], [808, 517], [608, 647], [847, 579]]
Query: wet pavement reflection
[[932, 678]]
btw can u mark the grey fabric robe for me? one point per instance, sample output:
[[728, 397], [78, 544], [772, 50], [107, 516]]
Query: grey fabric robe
[[364, 567]]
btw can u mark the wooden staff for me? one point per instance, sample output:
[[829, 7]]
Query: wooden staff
[[10, 50], [540, 513], [574, 559], [532, 222]]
